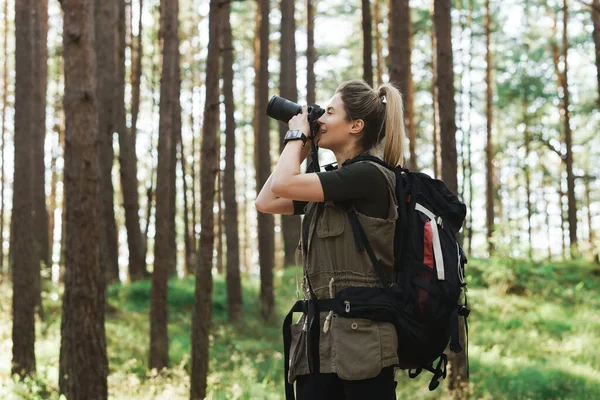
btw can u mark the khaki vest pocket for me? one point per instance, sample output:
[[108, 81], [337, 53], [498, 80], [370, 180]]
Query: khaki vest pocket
[[357, 348], [332, 222], [298, 361]]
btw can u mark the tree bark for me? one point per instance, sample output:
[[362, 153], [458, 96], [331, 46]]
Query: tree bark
[[127, 154], [489, 147], [40, 67], [572, 204], [437, 161], [262, 159], [106, 50], [596, 35], [187, 236], [311, 54], [209, 156], [163, 260], [458, 381], [378, 49], [219, 219], [367, 42], [83, 361], [234, 284], [25, 257], [2, 133], [400, 38], [290, 224]]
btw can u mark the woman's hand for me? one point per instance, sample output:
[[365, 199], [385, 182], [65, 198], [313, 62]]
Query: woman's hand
[[300, 122]]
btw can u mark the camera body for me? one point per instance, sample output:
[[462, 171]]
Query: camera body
[[283, 110]]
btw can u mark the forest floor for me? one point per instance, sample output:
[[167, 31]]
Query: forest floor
[[534, 333]]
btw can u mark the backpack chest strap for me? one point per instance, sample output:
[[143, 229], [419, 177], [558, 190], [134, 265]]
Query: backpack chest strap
[[437, 247]]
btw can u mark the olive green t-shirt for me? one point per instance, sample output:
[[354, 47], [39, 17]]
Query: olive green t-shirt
[[361, 182]]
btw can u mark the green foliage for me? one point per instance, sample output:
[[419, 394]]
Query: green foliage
[[533, 335]]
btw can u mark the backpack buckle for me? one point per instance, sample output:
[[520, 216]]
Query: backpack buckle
[[464, 311]]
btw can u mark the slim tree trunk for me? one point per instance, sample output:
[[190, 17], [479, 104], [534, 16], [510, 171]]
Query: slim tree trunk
[[378, 49], [3, 131], [290, 224], [311, 54], [470, 205], [219, 219], [234, 283], [596, 35], [367, 42], [437, 160], [163, 261], [458, 381], [25, 256], [547, 217], [41, 75], [489, 147], [187, 236], [527, 171], [204, 283], [106, 29], [127, 153], [572, 204], [588, 207], [400, 39], [83, 361], [262, 159]]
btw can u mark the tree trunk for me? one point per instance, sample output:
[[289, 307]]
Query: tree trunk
[[187, 236], [527, 171], [400, 38], [588, 207], [40, 67], [378, 49], [290, 224], [83, 361], [367, 42], [596, 35], [25, 269], [210, 164], [437, 161], [547, 216], [163, 260], [234, 284], [2, 133], [572, 210], [458, 381], [489, 147], [468, 133], [311, 54], [127, 153], [219, 219], [106, 25], [262, 158]]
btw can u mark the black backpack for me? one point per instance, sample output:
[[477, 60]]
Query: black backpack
[[423, 298]]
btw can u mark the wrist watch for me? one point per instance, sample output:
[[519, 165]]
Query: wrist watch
[[295, 134]]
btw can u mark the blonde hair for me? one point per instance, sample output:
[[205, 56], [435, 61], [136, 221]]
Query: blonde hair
[[382, 111]]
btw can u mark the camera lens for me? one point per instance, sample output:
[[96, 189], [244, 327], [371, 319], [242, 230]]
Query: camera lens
[[282, 109]]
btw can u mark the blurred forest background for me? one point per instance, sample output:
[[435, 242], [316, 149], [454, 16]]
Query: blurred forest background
[[134, 139]]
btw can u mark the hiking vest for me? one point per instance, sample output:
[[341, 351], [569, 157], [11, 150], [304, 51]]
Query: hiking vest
[[353, 348]]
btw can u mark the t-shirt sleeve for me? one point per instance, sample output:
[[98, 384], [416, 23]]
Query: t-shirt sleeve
[[299, 207], [355, 181]]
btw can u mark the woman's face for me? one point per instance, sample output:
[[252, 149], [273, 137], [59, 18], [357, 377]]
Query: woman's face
[[334, 132]]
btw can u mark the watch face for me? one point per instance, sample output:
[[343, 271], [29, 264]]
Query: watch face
[[295, 134]]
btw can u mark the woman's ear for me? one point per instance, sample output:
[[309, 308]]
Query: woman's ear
[[357, 126]]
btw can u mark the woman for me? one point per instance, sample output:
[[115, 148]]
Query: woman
[[355, 356]]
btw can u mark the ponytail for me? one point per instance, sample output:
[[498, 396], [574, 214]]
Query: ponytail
[[394, 124]]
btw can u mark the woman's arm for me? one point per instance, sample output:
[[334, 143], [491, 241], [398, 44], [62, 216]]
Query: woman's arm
[[270, 203], [287, 181]]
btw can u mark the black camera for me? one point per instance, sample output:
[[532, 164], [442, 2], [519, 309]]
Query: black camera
[[283, 110]]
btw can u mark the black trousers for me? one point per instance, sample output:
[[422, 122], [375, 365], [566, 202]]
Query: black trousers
[[331, 387]]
